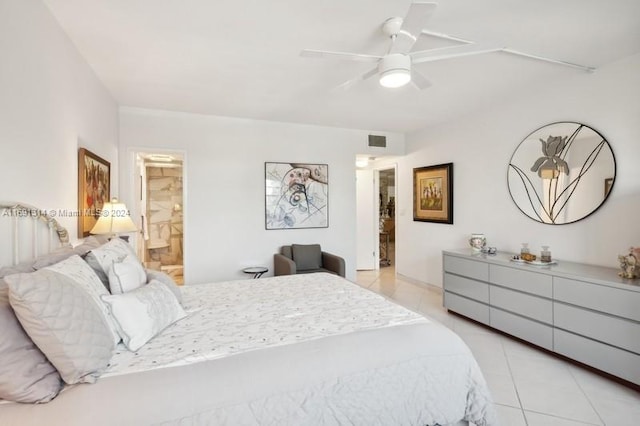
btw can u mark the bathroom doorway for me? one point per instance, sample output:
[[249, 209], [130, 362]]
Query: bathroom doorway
[[161, 210], [387, 209]]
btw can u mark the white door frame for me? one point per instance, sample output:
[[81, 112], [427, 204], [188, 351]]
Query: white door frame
[[367, 248]]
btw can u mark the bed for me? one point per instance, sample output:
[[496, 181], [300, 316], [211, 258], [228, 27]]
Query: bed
[[294, 350]]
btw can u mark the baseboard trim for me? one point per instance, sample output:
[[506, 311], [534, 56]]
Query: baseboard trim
[[426, 285]]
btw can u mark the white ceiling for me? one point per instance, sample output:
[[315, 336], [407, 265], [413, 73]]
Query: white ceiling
[[242, 58]]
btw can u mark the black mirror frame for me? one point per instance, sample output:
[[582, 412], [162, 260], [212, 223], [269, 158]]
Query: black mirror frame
[[608, 185]]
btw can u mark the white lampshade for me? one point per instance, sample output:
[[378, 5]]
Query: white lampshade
[[114, 219]]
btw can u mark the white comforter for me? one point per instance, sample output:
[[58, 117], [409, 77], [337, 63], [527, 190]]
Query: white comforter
[[238, 316], [301, 350]]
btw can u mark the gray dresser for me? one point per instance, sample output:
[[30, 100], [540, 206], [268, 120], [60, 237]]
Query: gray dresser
[[583, 312]]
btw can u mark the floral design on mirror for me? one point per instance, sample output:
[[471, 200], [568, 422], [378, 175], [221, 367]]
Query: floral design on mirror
[[557, 172]]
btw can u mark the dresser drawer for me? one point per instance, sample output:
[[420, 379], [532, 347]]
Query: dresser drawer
[[466, 287], [526, 329], [522, 304], [468, 268], [604, 357], [467, 307], [622, 303], [518, 279], [612, 330]]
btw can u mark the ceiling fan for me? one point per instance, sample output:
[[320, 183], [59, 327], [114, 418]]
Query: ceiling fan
[[395, 68]]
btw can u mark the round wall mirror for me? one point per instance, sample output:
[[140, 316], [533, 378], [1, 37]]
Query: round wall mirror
[[561, 173]]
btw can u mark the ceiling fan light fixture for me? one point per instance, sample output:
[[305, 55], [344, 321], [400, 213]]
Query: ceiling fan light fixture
[[395, 78], [395, 70]]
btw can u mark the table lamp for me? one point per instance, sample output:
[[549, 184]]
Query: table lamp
[[114, 219]]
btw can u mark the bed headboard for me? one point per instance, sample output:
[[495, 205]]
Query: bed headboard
[[27, 232]]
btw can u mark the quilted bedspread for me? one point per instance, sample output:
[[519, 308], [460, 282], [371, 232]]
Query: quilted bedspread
[[298, 350], [231, 317]]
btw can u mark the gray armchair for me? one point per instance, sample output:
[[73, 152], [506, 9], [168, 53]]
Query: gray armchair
[[306, 258]]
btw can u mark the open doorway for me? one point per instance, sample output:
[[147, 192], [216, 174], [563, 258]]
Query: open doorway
[[161, 207], [387, 219]]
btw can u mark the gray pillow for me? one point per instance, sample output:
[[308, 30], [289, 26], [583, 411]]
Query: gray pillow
[[88, 244], [307, 256], [16, 269], [61, 315], [25, 373], [93, 262], [166, 280], [85, 278], [58, 255]]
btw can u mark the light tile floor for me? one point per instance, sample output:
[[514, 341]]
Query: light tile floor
[[529, 387]]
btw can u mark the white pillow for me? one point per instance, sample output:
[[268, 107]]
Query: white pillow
[[126, 275], [166, 280], [144, 312], [101, 258]]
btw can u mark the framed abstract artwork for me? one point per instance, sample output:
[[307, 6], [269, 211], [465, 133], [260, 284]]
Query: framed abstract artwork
[[433, 193], [94, 186], [296, 195]]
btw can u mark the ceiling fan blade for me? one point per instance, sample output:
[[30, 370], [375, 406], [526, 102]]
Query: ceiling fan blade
[[446, 37], [412, 25], [419, 80], [309, 53], [350, 83], [513, 52], [451, 52], [551, 60]]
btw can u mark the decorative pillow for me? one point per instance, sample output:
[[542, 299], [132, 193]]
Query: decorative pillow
[[144, 312], [25, 373], [166, 280], [126, 275], [307, 256], [64, 320], [84, 277], [58, 255], [101, 258]]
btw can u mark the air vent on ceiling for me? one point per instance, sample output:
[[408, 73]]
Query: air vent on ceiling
[[378, 141]]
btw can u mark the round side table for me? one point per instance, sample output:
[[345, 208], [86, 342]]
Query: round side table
[[257, 271]]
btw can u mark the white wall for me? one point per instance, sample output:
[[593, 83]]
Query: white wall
[[50, 104], [224, 173], [480, 147]]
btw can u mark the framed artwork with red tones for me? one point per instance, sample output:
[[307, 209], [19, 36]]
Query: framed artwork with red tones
[[94, 186]]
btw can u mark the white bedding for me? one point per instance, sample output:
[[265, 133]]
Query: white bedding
[[299, 350], [238, 316]]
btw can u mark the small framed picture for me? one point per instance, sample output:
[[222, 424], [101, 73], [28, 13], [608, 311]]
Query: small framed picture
[[433, 194]]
